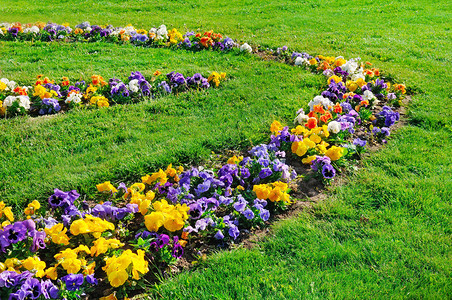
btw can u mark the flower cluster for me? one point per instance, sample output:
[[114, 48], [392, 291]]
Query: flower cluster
[[48, 97], [85, 32], [345, 117], [60, 255]]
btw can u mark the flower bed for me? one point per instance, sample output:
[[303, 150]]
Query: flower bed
[[48, 97], [132, 233], [85, 32]]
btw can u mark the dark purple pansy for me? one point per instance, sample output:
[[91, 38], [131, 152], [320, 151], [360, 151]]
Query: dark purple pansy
[[73, 281]]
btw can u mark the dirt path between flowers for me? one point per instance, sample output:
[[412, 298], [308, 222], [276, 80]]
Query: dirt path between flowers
[[307, 190]]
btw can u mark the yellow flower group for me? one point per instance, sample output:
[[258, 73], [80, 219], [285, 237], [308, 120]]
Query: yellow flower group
[[215, 78], [102, 245], [175, 36], [312, 139], [99, 101], [6, 211], [276, 127], [68, 259], [275, 192], [233, 160], [31, 208], [334, 153], [172, 217], [33, 264], [42, 92], [58, 234], [106, 187], [90, 224], [117, 267]]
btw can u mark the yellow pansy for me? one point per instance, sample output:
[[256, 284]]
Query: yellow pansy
[[102, 245], [360, 82], [139, 264], [173, 221], [92, 225], [276, 127], [106, 187], [334, 78], [299, 130], [6, 211], [233, 160], [109, 297], [352, 86], [315, 138], [275, 192], [89, 269], [161, 176], [154, 221], [215, 78], [162, 205], [34, 265], [334, 153], [309, 159], [51, 273], [299, 148], [58, 234], [325, 131], [144, 206], [339, 62], [117, 277], [309, 144], [32, 207], [262, 191]]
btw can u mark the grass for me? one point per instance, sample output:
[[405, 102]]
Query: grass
[[403, 251]]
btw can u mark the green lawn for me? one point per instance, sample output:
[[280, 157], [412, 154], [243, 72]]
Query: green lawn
[[403, 251]]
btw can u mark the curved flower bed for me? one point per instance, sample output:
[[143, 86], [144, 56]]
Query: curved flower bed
[[85, 32], [131, 233], [48, 97]]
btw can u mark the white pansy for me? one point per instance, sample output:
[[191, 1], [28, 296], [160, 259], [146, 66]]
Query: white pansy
[[24, 101], [11, 85], [350, 66], [301, 117], [334, 127], [7, 26], [129, 30], [5, 80], [33, 29], [356, 76], [320, 100], [115, 32], [8, 101], [301, 61], [368, 95], [162, 32], [246, 47], [88, 29], [133, 86], [74, 97]]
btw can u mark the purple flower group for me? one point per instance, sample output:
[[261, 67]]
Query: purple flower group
[[49, 106], [24, 286]]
